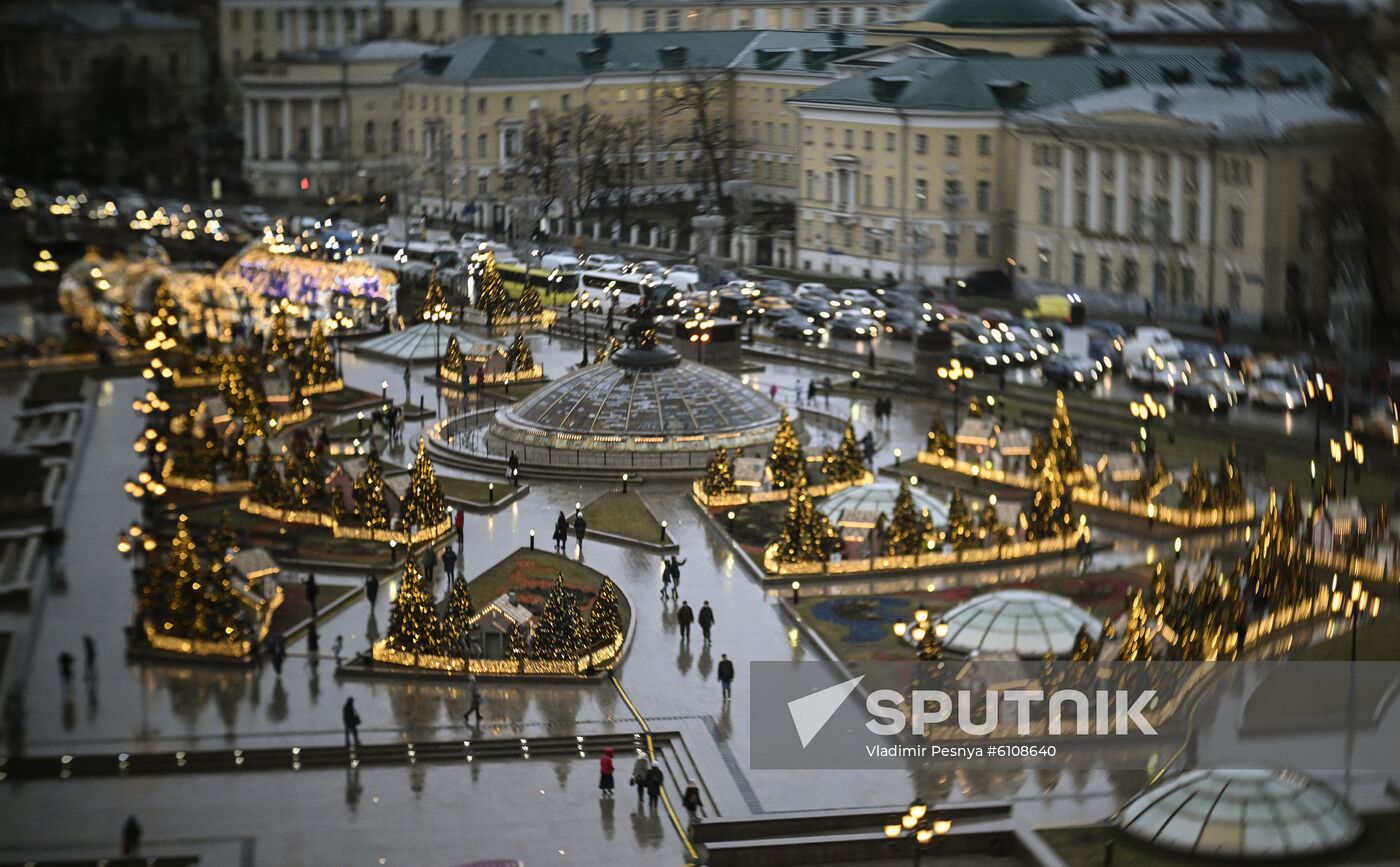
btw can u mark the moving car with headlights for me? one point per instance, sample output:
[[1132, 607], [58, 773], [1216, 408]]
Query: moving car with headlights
[[1276, 392], [1071, 371], [795, 326], [850, 324], [1202, 397]]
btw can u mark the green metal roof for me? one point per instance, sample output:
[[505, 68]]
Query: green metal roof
[[569, 55], [971, 84], [1002, 13]]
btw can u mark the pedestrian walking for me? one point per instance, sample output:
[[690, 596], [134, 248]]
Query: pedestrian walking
[[408, 383], [480, 381], [605, 773], [725, 673], [665, 580], [475, 707], [351, 718], [371, 589], [580, 528], [797, 387], [461, 526], [513, 466], [655, 777], [812, 391], [312, 592], [691, 799], [639, 774], [707, 620], [65, 668], [773, 391], [685, 616], [449, 564], [675, 566], [89, 657], [131, 836], [561, 533]]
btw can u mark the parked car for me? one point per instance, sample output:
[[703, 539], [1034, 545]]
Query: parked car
[[646, 266], [603, 262], [1071, 371], [1202, 397], [858, 298], [903, 324], [1276, 392], [683, 276], [850, 324], [797, 327]]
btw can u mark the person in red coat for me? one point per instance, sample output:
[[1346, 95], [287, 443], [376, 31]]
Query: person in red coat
[[605, 773]]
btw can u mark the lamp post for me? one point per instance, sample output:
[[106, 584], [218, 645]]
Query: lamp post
[[920, 825], [1353, 605], [956, 372], [928, 637], [1147, 411], [1317, 393]]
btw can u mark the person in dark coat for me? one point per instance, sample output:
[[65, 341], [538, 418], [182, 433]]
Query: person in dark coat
[[580, 528], [312, 591], [371, 589], [131, 836], [449, 564], [707, 620], [514, 466], [65, 668], [475, 706], [685, 616], [561, 532], [639, 774], [351, 718], [461, 520], [675, 566], [89, 657], [655, 777], [725, 673], [605, 773], [691, 799]]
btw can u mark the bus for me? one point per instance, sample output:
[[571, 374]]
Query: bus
[[625, 291]]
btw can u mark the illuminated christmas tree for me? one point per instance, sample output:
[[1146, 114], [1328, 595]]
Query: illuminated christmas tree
[[279, 337], [1291, 514], [315, 364], [221, 538], [558, 630], [414, 624], [940, 442], [1149, 486], [456, 618], [491, 297], [371, 505], [1276, 567], [1049, 514], [300, 475], [786, 462], [183, 598], [1137, 643], [434, 307], [236, 456], [519, 358], [241, 387], [719, 475], [1198, 488], [909, 530], [992, 531], [453, 363], [129, 327], [423, 503], [959, 533], [529, 303], [846, 462], [335, 503], [1229, 485], [165, 338], [1060, 443], [1086, 649], [268, 486], [806, 535], [518, 646], [611, 345], [605, 620]]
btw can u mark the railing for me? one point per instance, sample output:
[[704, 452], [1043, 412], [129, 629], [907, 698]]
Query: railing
[[925, 560], [466, 434], [746, 498]]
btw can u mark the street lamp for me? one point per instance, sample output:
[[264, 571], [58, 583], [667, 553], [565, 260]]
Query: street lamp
[[955, 373], [1316, 394], [1147, 411], [928, 637], [924, 827], [1354, 605]]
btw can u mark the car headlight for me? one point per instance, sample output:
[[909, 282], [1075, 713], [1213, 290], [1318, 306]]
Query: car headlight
[[1078, 377], [991, 360]]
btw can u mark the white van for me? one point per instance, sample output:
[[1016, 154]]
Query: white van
[[564, 263]]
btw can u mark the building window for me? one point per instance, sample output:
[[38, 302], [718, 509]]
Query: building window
[[1236, 226], [984, 244], [889, 192], [823, 17], [889, 141], [649, 20], [1130, 276], [869, 191], [1077, 266], [481, 105], [1193, 222], [257, 19], [482, 182], [1047, 206], [1188, 284], [1105, 273], [673, 19], [952, 146], [921, 195], [920, 144], [439, 21], [369, 136], [1081, 210], [950, 243], [984, 145], [1109, 207], [1043, 264], [868, 140], [1232, 290], [509, 104], [850, 138], [984, 196], [481, 146], [394, 136], [811, 185]]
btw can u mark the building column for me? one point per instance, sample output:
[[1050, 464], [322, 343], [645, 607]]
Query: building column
[[1120, 192], [262, 134], [1067, 187], [1178, 205], [339, 27], [1149, 188], [249, 131], [306, 17], [1205, 199], [286, 129], [315, 128], [1095, 193], [360, 25], [288, 21]]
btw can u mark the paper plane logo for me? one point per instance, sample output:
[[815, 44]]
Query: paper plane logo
[[811, 712]]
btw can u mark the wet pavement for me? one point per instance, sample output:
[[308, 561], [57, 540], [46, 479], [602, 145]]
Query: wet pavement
[[542, 811]]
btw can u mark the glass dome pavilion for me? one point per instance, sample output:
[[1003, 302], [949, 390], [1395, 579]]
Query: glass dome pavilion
[[1260, 815], [856, 509], [1025, 623]]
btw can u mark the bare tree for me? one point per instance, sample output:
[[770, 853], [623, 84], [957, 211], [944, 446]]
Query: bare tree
[[542, 170], [698, 107]]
